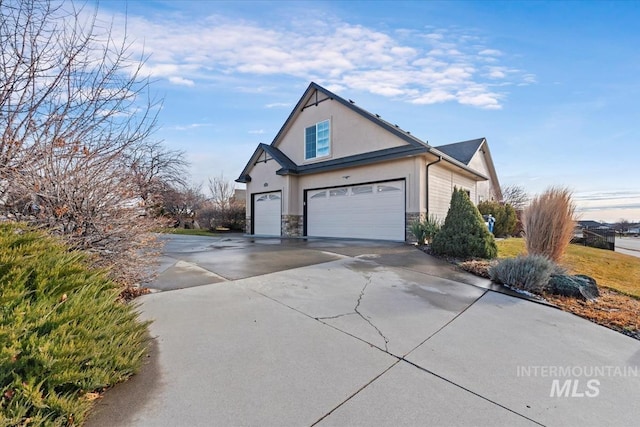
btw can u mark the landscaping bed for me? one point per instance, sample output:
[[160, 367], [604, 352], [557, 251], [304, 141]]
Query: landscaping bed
[[617, 275]]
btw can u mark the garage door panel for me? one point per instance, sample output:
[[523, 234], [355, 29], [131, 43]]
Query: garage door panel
[[373, 211], [267, 211]]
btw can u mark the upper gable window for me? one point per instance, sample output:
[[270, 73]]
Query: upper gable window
[[317, 141]]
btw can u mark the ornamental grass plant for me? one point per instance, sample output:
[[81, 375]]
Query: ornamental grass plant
[[549, 224]]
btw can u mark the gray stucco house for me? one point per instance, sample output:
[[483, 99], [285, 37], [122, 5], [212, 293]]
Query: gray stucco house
[[336, 170]]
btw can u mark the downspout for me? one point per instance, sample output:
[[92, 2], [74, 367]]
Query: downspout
[[427, 179]]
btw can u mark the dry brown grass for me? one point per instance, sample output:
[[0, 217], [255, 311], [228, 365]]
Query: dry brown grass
[[612, 309], [548, 223], [479, 267]]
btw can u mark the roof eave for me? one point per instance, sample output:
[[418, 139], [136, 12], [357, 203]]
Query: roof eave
[[492, 170], [243, 179], [359, 160], [457, 163], [275, 154]]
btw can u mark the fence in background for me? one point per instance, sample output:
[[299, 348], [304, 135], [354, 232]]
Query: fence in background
[[598, 238]]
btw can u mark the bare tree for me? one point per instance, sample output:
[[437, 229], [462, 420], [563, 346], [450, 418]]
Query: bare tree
[[516, 196], [222, 211], [221, 191], [75, 121], [622, 226], [182, 204], [153, 168]]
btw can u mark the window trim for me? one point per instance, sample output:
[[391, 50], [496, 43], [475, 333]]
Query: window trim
[[328, 121], [339, 192]]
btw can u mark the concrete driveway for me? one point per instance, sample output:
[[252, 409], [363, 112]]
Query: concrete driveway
[[355, 333]]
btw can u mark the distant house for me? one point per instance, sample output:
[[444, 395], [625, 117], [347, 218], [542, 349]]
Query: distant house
[[592, 225], [588, 225], [239, 196], [336, 170], [634, 230]]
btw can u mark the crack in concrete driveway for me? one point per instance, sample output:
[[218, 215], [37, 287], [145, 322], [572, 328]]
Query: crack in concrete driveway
[[368, 320], [297, 339]]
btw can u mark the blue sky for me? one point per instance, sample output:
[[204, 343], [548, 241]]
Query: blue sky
[[553, 86]]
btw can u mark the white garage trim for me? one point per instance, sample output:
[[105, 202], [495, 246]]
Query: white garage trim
[[366, 211], [267, 211]]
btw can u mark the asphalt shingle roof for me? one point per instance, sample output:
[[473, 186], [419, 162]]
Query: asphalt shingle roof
[[462, 151]]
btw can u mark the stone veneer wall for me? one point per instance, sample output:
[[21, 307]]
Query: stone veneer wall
[[410, 217], [292, 225]]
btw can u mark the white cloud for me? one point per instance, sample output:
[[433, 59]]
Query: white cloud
[[608, 205], [418, 67], [181, 81], [257, 132], [434, 97], [479, 97], [336, 88], [278, 105], [490, 52], [497, 72], [189, 126]]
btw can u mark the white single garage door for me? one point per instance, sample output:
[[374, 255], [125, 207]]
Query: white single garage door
[[267, 209], [370, 211]]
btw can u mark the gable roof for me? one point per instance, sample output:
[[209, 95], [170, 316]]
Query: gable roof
[[315, 94], [462, 151], [318, 91], [275, 154]]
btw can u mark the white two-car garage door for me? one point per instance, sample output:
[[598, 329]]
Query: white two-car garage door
[[267, 210], [369, 211]]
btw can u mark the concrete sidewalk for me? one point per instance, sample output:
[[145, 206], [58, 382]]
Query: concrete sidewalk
[[628, 246], [361, 338]]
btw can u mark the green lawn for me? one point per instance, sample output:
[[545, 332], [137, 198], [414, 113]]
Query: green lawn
[[610, 269]]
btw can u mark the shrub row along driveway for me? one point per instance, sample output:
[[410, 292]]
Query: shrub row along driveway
[[361, 333]]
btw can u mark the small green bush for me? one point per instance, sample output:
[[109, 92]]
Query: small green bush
[[505, 215], [418, 232], [424, 231], [63, 333], [464, 234], [529, 273]]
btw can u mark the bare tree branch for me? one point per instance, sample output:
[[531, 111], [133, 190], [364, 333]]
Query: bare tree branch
[[75, 124], [516, 196], [221, 191]]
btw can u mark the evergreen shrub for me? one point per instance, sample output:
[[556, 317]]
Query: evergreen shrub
[[63, 331], [505, 215], [464, 234]]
